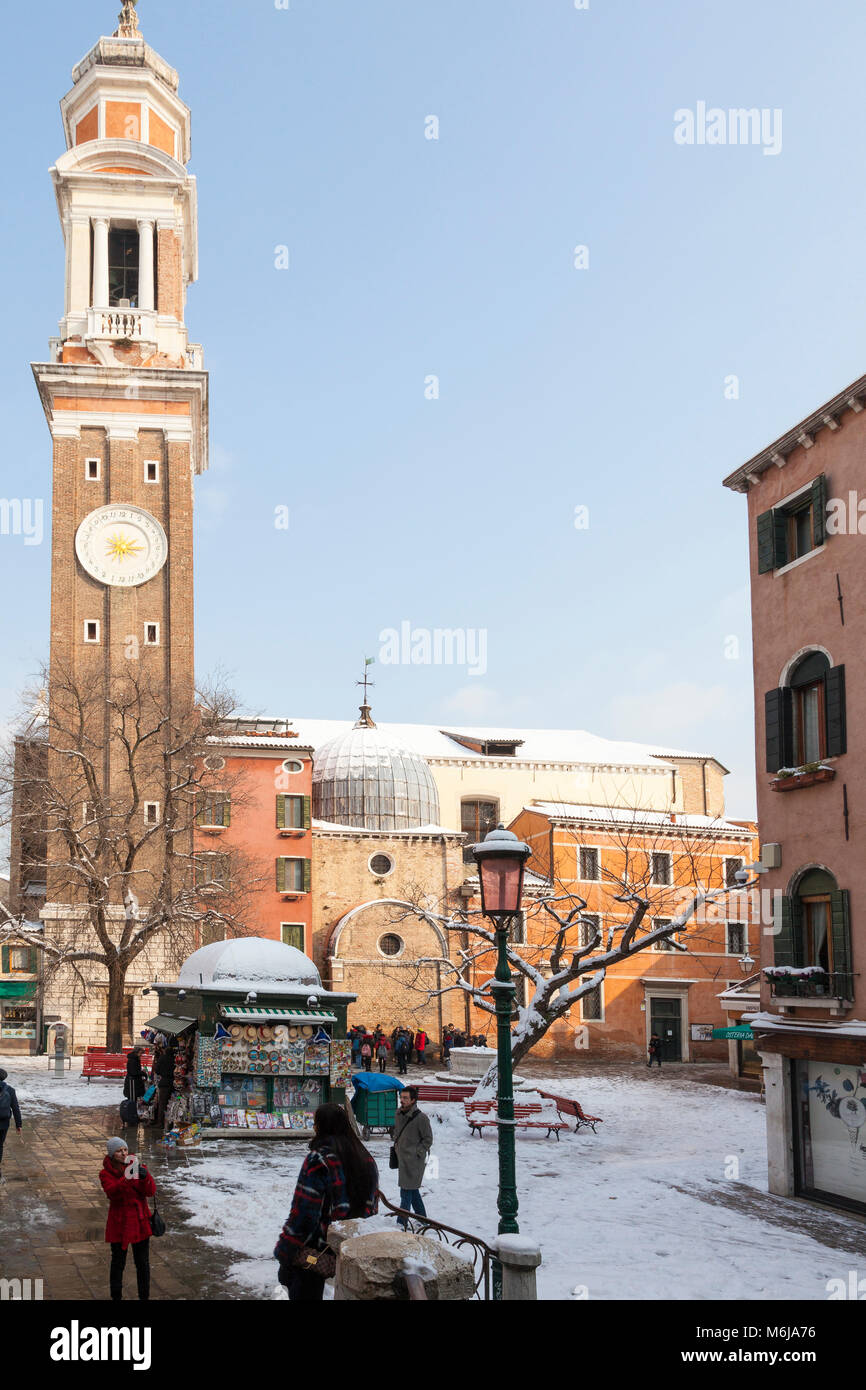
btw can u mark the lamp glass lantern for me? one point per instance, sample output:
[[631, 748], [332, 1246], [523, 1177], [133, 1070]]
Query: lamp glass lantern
[[501, 860]]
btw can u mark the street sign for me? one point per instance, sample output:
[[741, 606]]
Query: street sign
[[744, 1032]]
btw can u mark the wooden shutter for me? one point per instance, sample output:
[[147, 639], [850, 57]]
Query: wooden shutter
[[281, 812], [4, 959], [840, 912], [308, 812], [281, 875], [33, 968], [779, 714], [307, 875], [780, 538], [819, 510], [766, 543], [227, 809], [788, 938], [837, 732]]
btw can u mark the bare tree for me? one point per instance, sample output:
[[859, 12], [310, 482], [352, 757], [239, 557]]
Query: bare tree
[[566, 953], [105, 786]]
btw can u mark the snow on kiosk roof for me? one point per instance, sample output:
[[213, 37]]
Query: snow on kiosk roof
[[249, 963]]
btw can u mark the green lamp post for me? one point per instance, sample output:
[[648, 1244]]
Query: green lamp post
[[501, 859]]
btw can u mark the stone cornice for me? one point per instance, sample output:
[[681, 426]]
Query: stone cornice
[[802, 435]]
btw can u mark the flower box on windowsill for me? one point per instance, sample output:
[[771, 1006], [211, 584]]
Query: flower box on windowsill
[[212, 829], [792, 779], [291, 833]]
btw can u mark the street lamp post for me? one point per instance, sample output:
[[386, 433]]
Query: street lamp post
[[501, 859]]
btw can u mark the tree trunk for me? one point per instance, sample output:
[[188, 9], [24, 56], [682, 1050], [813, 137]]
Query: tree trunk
[[114, 1017]]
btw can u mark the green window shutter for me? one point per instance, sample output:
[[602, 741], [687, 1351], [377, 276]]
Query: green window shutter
[[788, 933], [281, 875], [780, 539], [779, 715], [281, 812], [4, 959], [819, 510], [308, 812], [840, 912], [837, 733], [199, 810], [227, 810], [34, 963], [766, 544], [307, 867]]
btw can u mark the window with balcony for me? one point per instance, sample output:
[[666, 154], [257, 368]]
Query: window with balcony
[[806, 719], [123, 253], [812, 941]]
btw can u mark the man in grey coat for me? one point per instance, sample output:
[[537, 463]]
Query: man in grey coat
[[413, 1140]]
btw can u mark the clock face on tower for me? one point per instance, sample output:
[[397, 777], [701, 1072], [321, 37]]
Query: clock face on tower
[[121, 545]]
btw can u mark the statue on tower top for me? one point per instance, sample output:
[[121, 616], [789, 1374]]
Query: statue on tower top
[[127, 22]]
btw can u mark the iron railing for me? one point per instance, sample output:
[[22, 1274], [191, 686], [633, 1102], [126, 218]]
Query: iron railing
[[484, 1259], [828, 985]]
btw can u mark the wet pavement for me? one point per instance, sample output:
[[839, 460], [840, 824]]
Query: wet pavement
[[53, 1213]]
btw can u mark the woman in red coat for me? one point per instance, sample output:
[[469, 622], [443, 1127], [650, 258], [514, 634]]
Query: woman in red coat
[[128, 1216]]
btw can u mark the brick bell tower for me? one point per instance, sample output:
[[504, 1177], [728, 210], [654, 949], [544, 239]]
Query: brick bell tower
[[124, 392]]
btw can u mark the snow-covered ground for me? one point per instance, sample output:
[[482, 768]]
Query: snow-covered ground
[[35, 1084], [665, 1202]]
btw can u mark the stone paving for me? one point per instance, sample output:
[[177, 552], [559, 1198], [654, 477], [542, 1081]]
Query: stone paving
[[53, 1213]]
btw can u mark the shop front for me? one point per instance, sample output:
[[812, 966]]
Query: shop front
[[18, 1017], [258, 1045]]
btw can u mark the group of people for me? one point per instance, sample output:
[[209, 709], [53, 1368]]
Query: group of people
[[160, 1076], [377, 1046], [338, 1180], [455, 1037]]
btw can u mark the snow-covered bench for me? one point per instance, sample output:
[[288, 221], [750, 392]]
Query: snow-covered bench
[[564, 1106], [481, 1114]]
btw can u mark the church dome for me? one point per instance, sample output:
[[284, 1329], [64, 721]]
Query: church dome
[[362, 778], [247, 963]]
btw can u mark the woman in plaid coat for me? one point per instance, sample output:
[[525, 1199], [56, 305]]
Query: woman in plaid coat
[[338, 1179]]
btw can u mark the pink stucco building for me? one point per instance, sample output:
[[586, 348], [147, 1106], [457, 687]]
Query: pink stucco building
[[807, 540]]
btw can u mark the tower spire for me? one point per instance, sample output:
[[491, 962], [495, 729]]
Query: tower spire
[[366, 717], [127, 22]]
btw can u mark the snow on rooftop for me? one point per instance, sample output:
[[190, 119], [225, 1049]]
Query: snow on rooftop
[[249, 963], [433, 743], [565, 810]]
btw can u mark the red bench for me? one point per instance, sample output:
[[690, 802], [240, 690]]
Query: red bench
[[447, 1092], [481, 1114], [572, 1107], [98, 1061]]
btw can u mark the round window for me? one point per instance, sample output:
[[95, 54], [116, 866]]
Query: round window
[[214, 763], [381, 865], [391, 944], [292, 765]]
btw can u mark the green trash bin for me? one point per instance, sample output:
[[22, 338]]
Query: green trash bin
[[375, 1110]]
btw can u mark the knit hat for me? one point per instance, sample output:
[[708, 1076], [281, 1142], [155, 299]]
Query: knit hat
[[113, 1145]]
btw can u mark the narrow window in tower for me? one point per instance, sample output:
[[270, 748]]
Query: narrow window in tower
[[91, 630], [123, 268], [91, 470], [151, 813], [151, 634], [151, 471]]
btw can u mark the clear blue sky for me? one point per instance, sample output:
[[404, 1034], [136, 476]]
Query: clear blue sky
[[559, 388]]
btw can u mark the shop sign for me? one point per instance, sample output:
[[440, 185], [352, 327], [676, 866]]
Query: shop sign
[[743, 1032]]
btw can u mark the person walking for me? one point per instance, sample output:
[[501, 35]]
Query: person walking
[[9, 1111], [654, 1050], [338, 1180], [163, 1068], [356, 1047], [401, 1052], [136, 1082], [366, 1054], [413, 1140], [420, 1046], [128, 1216], [382, 1051]]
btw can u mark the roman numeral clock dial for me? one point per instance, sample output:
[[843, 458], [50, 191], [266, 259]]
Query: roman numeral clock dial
[[121, 546]]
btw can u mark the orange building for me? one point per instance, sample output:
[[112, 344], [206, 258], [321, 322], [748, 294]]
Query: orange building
[[671, 988], [256, 824]]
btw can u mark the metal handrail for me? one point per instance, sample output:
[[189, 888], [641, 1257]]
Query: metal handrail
[[421, 1225], [838, 984]]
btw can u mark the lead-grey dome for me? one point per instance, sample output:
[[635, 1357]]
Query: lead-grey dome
[[362, 778]]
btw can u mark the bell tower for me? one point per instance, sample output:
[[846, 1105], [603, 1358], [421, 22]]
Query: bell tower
[[124, 391]]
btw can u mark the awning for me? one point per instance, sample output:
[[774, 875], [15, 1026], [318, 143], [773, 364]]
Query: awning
[[252, 1014], [12, 989], [743, 1031], [164, 1023]]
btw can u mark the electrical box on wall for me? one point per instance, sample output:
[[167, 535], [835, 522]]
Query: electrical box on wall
[[771, 856]]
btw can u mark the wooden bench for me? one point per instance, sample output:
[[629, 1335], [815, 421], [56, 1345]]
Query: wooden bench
[[565, 1106], [445, 1091], [99, 1062], [481, 1114]]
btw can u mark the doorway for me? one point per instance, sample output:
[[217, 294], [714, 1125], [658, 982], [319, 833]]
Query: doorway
[[666, 1019]]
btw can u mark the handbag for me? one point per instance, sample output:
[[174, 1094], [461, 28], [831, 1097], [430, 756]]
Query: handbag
[[157, 1225]]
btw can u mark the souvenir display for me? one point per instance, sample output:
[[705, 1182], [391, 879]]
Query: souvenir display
[[341, 1062], [207, 1062], [317, 1059]]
